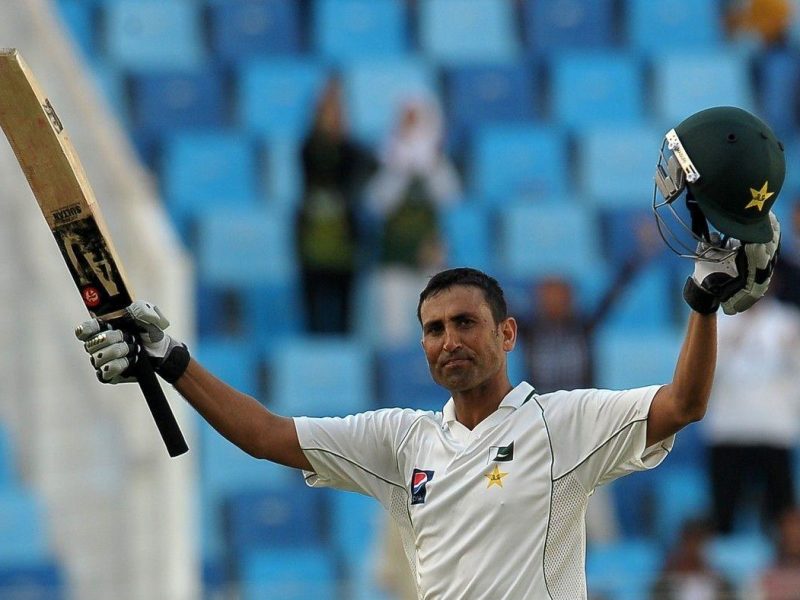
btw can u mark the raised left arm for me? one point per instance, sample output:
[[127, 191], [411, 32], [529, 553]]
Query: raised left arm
[[685, 400]]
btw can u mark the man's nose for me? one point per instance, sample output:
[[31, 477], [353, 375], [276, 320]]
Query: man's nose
[[451, 340]]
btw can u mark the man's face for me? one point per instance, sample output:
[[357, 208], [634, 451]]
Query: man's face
[[463, 345]]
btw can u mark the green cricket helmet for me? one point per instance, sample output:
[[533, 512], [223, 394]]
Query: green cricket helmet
[[719, 173]]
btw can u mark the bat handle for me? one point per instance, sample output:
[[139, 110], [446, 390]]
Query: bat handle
[[159, 407]]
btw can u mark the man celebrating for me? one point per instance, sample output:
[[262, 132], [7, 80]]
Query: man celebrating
[[490, 493]]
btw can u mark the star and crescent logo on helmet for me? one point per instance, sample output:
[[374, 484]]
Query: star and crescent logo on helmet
[[759, 197]]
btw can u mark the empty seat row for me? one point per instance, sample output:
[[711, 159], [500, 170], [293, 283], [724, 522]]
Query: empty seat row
[[149, 34]]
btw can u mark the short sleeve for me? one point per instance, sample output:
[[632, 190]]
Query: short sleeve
[[600, 435], [356, 453]]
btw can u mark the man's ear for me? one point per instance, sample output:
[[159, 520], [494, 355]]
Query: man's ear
[[508, 328]]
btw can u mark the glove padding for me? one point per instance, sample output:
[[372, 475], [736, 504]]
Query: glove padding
[[736, 280], [114, 352]]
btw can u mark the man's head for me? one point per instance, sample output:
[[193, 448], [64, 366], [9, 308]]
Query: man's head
[[444, 280], [720, 170], [466, 331]]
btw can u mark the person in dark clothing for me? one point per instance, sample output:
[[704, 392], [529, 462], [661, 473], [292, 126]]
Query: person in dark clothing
[[334, 168]]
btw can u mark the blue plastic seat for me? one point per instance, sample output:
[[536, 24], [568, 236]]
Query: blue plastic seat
[[24, 534], [596, 88], [548, 238], [151, 35], [623, 570], [42, 580], [79, 18], [681, 493], [779, 91], [557, 25], [249, 29], [164, 102], [480, 94], [740, 557], [468, 235], [725, 81], [208, 169], [627, 358], [687, 24], [635, 309], [453, 31], [8, 467], [356, 524], [326, 376], [232, 360], [289, 574], [350, 29], [405, 381], [245, 247], [375, 91], [616, 164], [278, 97], [508, 161], [273, 517]]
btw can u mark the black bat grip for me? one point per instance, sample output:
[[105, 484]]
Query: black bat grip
[[159, 407]]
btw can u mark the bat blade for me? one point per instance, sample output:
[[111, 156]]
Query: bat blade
[[59, 183]]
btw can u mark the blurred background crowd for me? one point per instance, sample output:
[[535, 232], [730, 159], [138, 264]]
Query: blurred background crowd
[[320, 159]]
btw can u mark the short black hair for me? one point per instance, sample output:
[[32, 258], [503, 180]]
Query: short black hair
[[444, 280]]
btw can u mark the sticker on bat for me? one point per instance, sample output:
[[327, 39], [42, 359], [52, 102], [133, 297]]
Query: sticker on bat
[[91, 266]]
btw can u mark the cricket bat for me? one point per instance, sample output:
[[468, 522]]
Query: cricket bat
[[59, 183]]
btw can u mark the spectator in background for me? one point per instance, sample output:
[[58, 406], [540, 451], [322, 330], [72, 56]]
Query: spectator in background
[[767, 20], [782, 580], [686, 574], [414, 181], [753, 420], [327, 235]]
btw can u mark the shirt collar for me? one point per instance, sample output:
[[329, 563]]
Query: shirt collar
[[513, 400]]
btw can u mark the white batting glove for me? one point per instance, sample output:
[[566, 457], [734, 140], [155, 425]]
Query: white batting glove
[[760, 263], [113, 351], [735, 280]]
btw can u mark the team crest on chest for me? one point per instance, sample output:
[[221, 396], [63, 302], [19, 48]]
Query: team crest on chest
[[495, 477]]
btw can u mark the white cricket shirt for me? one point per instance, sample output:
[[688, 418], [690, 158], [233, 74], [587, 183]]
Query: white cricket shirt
[[497, 512]]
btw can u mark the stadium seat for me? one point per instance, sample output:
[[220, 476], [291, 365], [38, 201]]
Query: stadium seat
[[680, 494], [635, 309], [548, 238], [509, 161], [467, 230], [249, 29], [556, 25], [623, 570], [80, 17], [375, 91], [284, 173], [596, 88], [676, 93], [166, 102], [43, 580], [224, 471], [151, 35], [404, 380], [234, 361], [616, 165], [740, 557], [324, 376], [356, 524], [200, 170], [278, 97], [289, 574], [779, 91], [344, 30], [688, 24], [8, 463], [627, 358], [272, 517], [480, 94], [453, 31], [24, 534]]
